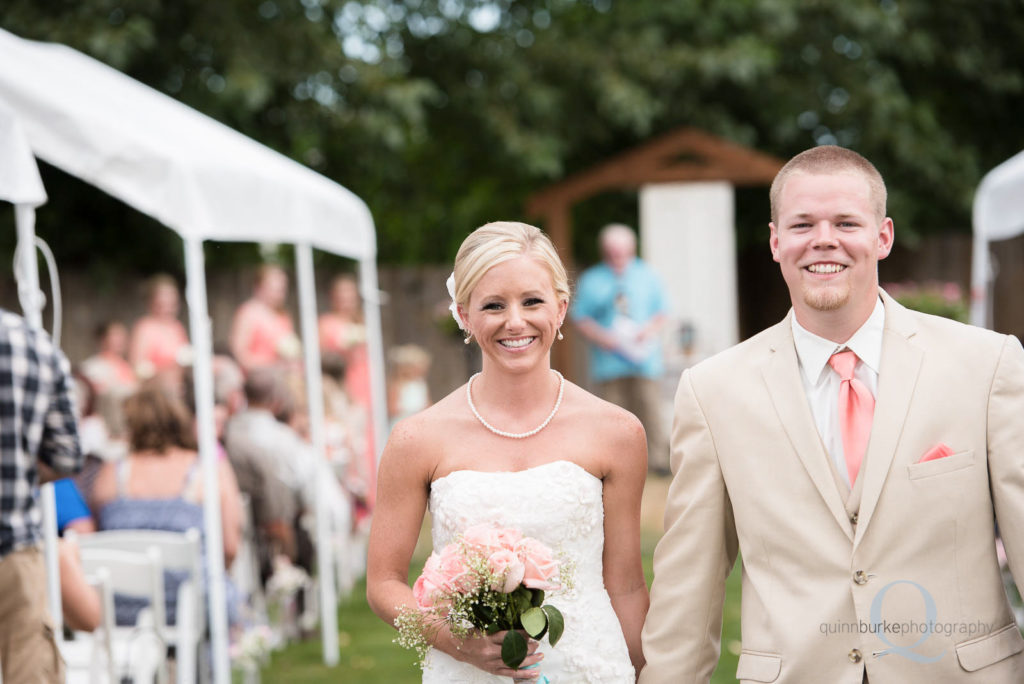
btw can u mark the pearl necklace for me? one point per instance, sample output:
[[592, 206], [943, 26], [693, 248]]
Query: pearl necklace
[[515, 435]]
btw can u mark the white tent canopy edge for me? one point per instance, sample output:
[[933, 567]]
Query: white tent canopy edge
[[204, 181]]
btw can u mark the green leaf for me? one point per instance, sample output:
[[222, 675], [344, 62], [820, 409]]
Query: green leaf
[[538, 598], [522, 600], [556, 624], [535, 621], [513, 649]]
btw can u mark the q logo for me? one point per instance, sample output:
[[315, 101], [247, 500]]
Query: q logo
[[907, 652]]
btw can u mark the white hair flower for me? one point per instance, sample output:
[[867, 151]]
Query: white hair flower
[[454, 308]]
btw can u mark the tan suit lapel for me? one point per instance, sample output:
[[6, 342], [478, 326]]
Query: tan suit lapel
[[781, 374], [897, 376]]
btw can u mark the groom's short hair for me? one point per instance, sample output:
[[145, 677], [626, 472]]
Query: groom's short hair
[[830, 159]]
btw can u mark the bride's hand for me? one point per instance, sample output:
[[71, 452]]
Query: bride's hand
[[484, 652]]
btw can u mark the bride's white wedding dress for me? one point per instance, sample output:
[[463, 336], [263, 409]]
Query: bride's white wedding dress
[[560, 504]]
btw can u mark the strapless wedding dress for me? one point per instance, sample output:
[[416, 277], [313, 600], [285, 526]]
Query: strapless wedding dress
[[561, 505]]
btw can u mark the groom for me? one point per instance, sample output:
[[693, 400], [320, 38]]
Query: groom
[[858, 456]]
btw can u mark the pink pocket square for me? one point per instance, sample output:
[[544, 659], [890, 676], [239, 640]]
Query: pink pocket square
[[936, 452]]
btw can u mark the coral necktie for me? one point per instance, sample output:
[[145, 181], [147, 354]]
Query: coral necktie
[[856, 409]]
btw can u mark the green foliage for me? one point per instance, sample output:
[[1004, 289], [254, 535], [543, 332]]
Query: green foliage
[[535, 622], [555, 624], [513, 649], [443, 115]]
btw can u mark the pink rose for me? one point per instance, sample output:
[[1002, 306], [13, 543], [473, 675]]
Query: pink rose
[[489, 539], [507, 569], [429, 584], [455, 572], [483, 537], [541, 568], [508, 538]]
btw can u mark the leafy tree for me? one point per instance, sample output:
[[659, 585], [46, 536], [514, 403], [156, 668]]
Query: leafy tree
[[444, 114]]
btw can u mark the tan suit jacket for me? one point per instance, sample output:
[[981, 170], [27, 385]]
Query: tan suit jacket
[[827, 594]]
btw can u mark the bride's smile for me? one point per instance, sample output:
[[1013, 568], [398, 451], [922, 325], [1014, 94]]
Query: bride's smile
[[517, 343]]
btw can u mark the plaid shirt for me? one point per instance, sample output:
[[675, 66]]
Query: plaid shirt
[[37, 420]]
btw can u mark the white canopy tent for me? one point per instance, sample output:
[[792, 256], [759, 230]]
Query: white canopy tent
[[205, 181], [998, 215]]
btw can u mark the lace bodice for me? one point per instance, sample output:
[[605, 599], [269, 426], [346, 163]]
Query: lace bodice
[[560, 504]]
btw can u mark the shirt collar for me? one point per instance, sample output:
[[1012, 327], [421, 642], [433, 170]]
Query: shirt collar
[[814, 352], [629, 267]]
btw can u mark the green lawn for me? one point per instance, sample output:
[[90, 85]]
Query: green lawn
[[368, 655]]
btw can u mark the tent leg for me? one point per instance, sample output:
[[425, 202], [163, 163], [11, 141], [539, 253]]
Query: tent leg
[[27, 269], [315, 396], [375, 347], [202, 374], [981, 281]]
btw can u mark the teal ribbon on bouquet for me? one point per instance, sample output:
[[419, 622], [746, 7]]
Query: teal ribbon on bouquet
[[542, 679]]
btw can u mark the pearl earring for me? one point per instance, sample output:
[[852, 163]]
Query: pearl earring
[[467, 338], [560, 335]]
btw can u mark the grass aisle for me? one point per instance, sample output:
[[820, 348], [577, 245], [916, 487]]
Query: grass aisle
[[369, 656]]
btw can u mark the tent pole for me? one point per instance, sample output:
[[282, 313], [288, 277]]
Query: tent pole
[[375, 347], [315, 397], [51, 556], [27, 271], [202, 375], [981, 277]]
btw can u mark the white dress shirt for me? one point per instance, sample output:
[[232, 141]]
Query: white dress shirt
[[821, 383]]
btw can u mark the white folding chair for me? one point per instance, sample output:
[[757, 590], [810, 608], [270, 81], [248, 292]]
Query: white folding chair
[[89, 656], [139, 650], [180, 552]]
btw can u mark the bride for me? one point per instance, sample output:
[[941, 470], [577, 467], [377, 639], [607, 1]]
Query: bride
[[519, 446]]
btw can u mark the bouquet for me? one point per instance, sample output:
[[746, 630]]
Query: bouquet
[[289, 347], [251, 650], [489, 579]]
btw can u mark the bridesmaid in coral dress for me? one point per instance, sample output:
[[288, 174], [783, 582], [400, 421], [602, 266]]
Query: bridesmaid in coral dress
[[159, 344], [262, 333], [342, 332]]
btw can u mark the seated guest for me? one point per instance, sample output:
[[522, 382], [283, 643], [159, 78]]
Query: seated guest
[[99, 445], [158, 486], [72, 511], [258, 447], [109, 373]]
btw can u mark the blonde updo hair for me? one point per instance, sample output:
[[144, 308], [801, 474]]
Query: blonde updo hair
[[500, 241]]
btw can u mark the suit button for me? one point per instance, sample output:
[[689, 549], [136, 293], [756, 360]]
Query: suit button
[[854, 518], [854, 656], [860, 577]]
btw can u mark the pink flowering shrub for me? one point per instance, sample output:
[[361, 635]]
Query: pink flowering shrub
[[932, 297]]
